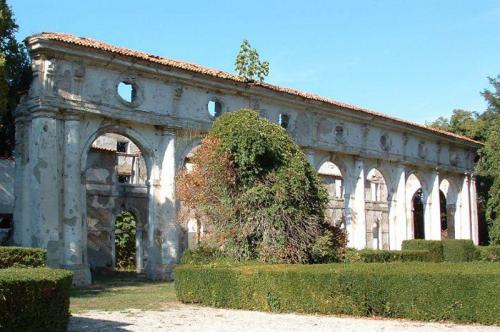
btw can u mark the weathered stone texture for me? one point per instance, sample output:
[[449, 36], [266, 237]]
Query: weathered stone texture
[[62, 194]]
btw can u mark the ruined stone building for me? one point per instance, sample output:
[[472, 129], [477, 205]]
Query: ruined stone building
[[105, 129]]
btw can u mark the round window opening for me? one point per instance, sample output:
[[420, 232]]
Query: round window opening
[[127, 91], [214, 108]]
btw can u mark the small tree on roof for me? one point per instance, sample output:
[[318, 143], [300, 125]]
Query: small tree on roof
[[248, 64]]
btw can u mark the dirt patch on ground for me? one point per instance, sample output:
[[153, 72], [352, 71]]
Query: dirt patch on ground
[[178, 317]]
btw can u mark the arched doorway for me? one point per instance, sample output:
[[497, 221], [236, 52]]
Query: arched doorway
[[117, 196], [443, 215], [418, 215], [415, 207], [376, 210], [333, 179], [448, 196]]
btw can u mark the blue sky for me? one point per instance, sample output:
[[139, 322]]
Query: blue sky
[[416, 60]]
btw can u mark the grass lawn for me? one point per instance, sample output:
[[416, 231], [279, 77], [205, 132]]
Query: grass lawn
[[122, 290]]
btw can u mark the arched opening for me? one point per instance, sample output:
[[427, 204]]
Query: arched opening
[[377, 210], [415, 207], [448, 196], [192, 224], [117, 204], [418, 215], [334, 182], [443, 215]]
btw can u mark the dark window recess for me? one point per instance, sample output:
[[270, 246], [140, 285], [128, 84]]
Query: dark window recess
[[123, 178], [283, 120], [121, 147], [214, 108]]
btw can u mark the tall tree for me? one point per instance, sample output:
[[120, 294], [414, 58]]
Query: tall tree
[[484, 127], [248, 64], [15, 77]]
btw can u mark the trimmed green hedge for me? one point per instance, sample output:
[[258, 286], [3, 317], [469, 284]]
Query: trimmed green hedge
[[35, 299], [385, 256], [435, 248], [460, 292], [459, 251], [447, 250], [489, 253], [22, 257]]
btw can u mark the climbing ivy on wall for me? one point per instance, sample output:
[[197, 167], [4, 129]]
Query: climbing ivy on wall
[[259, 196], [125, 241]]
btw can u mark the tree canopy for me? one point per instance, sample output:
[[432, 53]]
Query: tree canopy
[[260, 197], [15, 77], [248, 64], [484, 127]]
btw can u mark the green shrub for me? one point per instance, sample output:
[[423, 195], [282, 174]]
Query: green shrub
[[22, 257], [385, 256], [35, 299], [201, 255], [459, 251], [435, 248], [125, 240], [460, 292], [254, 188], [489, 253]]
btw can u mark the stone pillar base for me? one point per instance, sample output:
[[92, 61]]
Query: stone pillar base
[[81, 275], [161, 272]]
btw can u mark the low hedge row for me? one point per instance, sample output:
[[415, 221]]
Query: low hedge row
[[446, 250], [435, 248], [421, 291], [385, 256], [35, 299], [489, 253], [22, 257], [459, 251]]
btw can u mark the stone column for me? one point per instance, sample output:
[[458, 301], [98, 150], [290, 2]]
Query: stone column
[[22, 222], [432, 213], [473, 210], [73, 201], [358, 206], [44, 171], [397, 212], [139, 249], [465, 224], [163, 237]]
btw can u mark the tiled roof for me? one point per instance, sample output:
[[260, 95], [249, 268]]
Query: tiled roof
[[101, 46]]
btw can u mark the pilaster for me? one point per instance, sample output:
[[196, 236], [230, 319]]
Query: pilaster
[[358, 213], [73, 223], [465, 211], [473, 210], [432, 215], [397, 212], [163, 238], [44, 173]]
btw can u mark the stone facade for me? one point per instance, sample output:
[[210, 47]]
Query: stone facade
[[373, 164]]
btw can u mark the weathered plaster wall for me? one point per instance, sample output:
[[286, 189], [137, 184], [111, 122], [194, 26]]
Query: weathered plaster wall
[[74, 99]]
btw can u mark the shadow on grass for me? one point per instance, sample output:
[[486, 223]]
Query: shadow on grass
[[105, 281]]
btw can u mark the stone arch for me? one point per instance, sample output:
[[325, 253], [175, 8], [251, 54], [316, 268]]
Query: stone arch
[[128, 132], [414, 206], [333, 175], [188, 152], [376, 209], [106, 200], [450, 192]]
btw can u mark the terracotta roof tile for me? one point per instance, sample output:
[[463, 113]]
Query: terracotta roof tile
[[98, 45]]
